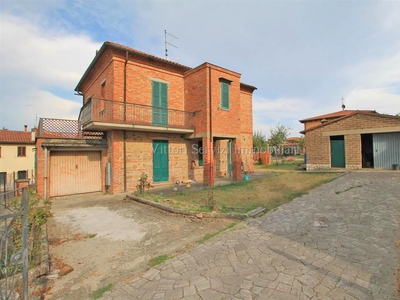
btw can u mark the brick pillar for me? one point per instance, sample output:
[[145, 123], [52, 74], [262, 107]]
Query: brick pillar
[[208, 162], [21, 183], [237, 160]]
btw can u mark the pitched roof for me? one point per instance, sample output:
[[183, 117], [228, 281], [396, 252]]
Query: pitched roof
[[129, 49], [355, 112], [16, 137], [138, 52], [337, 114]]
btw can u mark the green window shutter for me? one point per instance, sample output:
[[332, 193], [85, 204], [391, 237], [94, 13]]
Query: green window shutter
[[155, 86], [224, 95], [160, 103]]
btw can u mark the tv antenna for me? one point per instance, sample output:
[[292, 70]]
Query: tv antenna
[[343, 106], [166, 43]]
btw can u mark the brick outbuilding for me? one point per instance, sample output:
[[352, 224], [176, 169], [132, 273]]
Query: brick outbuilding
[[352, 140]]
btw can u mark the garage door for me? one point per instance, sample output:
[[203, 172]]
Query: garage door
[[386, 150], [74, 172]]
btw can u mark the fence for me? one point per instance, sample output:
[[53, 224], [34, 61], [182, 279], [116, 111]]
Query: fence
[[8, 181], [14, 245]]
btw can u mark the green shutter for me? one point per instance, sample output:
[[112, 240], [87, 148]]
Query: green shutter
[[160, 161], [160, 103], [224, 95]]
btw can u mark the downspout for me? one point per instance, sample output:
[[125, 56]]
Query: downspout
[[45, 172], [126, 62], [211, 132]]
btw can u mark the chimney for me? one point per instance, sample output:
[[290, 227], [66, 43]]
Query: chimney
[[25, 128]]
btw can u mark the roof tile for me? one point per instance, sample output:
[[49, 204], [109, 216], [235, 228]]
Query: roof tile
[[13, 136]]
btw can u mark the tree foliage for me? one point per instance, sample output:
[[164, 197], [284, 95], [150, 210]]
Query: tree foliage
[[259, 139], [302, 141], [279, 134]]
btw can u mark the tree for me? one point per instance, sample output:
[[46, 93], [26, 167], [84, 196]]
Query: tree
[[279, 134], [259, 140]]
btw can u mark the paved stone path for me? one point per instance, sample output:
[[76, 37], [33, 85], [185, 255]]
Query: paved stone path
[[338, 242]]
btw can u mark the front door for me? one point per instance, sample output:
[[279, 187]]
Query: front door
[[160, 161], [337, 154]]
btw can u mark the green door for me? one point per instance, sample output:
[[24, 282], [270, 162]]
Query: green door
[[337, 154], [160, 161], [229, 158], [160, 103]]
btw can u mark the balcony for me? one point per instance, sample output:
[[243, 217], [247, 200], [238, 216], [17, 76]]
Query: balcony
[[101, 115]]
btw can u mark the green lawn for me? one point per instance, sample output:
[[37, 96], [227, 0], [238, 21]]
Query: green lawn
[[269, 192]]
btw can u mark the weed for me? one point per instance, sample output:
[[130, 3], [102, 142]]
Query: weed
[[90, 236], [157, 260], [211, 235], [100, 292]]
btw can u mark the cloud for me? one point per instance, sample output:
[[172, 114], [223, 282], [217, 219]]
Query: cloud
[[373, 99], [39, 71]]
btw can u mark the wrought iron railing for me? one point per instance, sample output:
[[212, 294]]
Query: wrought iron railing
[[107, 111], [60, 128], [13, 248]]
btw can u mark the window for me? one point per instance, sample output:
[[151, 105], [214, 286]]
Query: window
[[22, 151], [225, 94], [22, 175], [200, 153]]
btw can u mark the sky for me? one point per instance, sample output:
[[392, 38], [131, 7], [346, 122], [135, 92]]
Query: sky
[[304, 57]]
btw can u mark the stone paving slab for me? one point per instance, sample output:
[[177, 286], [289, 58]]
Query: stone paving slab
[[338, 242]]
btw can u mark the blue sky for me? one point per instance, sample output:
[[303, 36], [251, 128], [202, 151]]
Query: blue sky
[[303, 56]]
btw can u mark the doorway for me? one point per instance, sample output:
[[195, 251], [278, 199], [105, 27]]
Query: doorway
[[337, 152], [367, 150]]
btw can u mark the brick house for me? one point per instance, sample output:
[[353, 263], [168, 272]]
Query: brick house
[[164, 119], [352, 139], [17, 156]]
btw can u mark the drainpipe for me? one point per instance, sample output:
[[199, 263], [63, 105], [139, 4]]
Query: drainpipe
[[126, 62], [211, 132], [45, 172]]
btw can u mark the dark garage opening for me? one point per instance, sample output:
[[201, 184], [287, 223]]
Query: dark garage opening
[[367, 151]]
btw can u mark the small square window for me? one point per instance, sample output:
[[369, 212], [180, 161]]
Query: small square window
[[22, 151], [22, 175]]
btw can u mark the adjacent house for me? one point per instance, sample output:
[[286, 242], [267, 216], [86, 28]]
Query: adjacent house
[[352, 139], [154, 116], [17, 157]]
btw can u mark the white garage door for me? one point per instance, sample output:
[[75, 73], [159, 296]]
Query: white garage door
[[74, 172]]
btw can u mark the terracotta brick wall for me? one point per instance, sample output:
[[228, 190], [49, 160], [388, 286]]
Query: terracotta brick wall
[[139, 153]]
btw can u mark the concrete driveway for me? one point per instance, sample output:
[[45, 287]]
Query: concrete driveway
[[338, 242]]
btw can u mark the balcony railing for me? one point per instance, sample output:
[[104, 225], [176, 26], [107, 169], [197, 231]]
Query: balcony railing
[[106, 111]]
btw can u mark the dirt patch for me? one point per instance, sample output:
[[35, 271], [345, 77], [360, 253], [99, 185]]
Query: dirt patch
[[109, 239]]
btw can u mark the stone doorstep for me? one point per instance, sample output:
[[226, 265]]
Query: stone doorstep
[[236, 216]]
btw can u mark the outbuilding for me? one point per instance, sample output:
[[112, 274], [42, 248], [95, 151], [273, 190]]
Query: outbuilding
[[352, 139]]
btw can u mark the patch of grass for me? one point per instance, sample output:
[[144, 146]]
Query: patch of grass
[[157, 260], [241, 197], [92, 235], [100, 292], [210, 235]]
